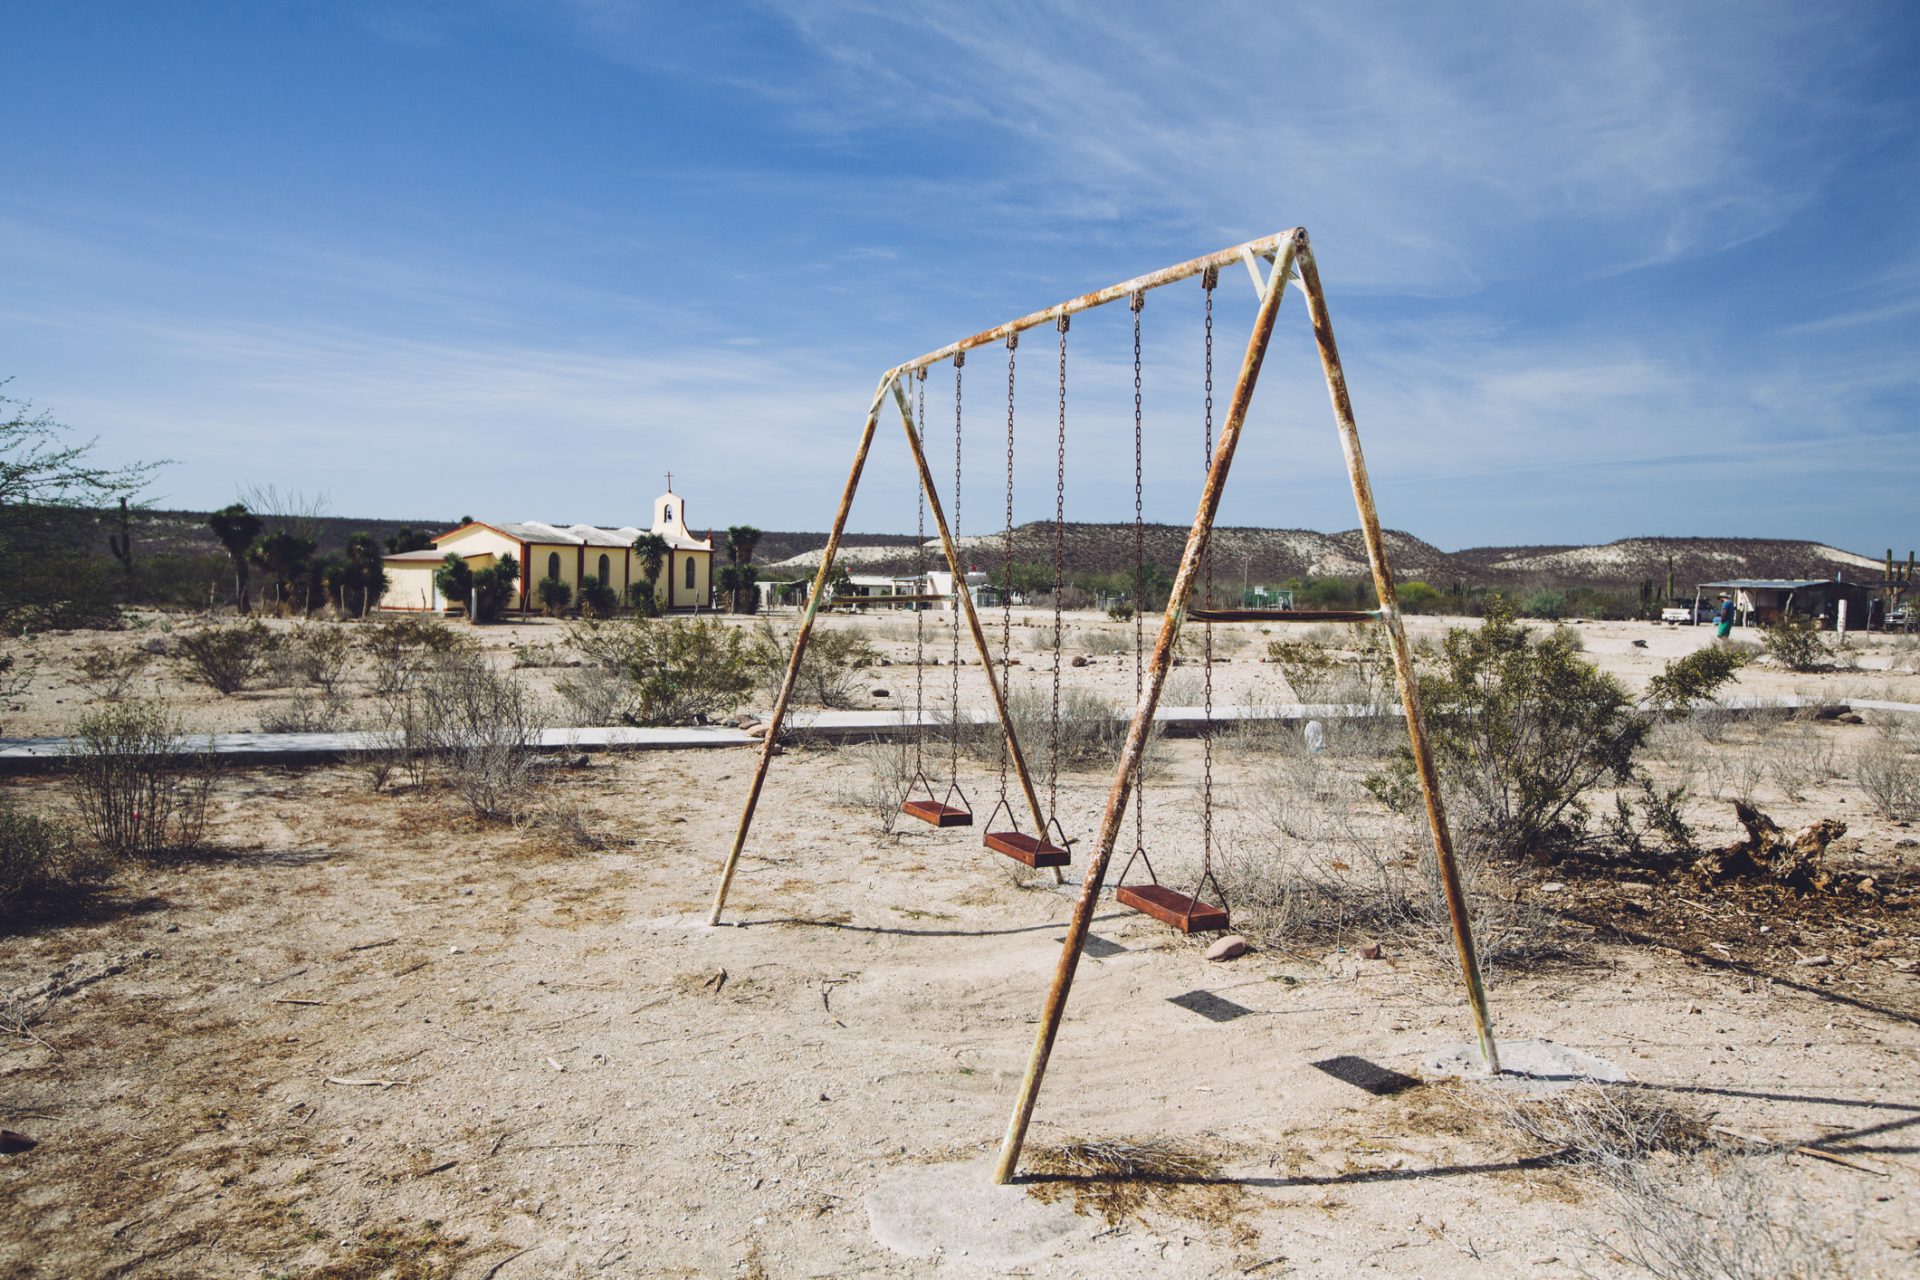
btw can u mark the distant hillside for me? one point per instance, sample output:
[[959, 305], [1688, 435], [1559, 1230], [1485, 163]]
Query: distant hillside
[[1632, 560], [1264, 556], [1276, 555]]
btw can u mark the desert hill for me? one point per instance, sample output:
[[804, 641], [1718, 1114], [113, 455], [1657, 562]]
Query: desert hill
[[1278, 555], [1265, 556]]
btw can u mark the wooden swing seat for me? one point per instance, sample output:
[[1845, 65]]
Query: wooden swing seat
[[937, 814], [1031, 850], [869, 602], [1283, 615], [1187, 914]]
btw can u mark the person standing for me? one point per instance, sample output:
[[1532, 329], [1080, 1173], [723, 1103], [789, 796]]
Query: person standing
[[1726, 617]]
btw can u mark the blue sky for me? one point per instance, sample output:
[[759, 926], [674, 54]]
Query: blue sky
[[1597, 270]]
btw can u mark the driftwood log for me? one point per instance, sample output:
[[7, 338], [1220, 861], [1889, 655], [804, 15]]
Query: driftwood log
[[1797, 860]]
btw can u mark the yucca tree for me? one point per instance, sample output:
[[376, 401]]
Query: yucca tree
[[738, 578], [237, 528]]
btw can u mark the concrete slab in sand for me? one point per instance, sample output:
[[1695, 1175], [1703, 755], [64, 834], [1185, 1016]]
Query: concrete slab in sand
[[957, 1212], [1529, 1066]]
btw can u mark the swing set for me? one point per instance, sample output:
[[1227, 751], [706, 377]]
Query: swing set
[[1191, 600]]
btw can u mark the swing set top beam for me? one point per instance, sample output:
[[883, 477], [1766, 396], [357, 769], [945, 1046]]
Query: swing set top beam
[[1265, 247]]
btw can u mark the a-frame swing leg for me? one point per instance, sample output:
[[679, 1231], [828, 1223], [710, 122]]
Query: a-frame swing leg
[[1117, 794], [973, 618], [1403, 670], [800, 647], [1292, 247]]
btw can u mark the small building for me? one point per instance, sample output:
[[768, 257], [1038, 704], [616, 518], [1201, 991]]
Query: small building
[[567, 553], [1764, 601]]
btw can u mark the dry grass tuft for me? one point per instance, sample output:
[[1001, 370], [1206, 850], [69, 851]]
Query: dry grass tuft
[[398, 1253], [1121, 1180]]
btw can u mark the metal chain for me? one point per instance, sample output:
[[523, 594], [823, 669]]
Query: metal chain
[[1207, 282], [960, 584], [1006, 569], [1059, 575], [1138, 303], [919, 617]]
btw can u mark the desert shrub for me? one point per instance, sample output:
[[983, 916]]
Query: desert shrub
[[1121, 612], [137, 786], [1091, 731], [1794, 642], [1103, 644], [224, 658], [319, 653], [107, 672], [37, 858], [1685, 1207], [595, 696], [484, 726], [674, 670], [829, 672], [553, 594], [1694, 678], [400, 647], [598, 600], [1317, 863], [306, 711], [1885, 769], [1545, 604], [397, 739], [1326, 666], [877, 781], [1524, 728]]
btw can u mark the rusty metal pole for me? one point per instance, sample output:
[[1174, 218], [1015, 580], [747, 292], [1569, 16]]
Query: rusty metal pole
[[800, 646], [1085, 905], [1404, 674], [973, 618]]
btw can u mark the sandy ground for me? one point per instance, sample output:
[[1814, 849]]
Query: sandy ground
[[1881, 666], [588, 1081], [369, 1032]]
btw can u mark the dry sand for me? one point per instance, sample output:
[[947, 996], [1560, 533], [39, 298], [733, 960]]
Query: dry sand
[[586, 1080]]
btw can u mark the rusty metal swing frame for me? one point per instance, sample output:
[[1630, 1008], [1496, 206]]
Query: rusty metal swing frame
[[1291, 259]]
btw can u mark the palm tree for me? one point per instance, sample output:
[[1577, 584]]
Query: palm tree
[[236, 527], [738, 579], [652, 550]]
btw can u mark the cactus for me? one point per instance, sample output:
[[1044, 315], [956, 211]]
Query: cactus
[[121, 543]]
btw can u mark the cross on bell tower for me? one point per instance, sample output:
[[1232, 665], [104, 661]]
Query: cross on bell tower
[[669, 482]]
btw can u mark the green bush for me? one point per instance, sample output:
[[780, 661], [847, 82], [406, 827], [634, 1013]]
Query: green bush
[[553, 594], [1794, 642], [224, 658], [1551, 605], [829, 671], [37, 858], [673, 671], [136, 787], [1523, 728], [598, 600], [495, 589], [400, 646]]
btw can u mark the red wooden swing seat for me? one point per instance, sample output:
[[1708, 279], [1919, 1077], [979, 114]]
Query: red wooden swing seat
[[1185, 913], [937, 814], [1031, 850]]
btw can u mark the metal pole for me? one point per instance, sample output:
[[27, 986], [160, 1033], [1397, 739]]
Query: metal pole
[[1266, 247], [799, 648], [973, 618], [1085, 904], [1402, 656]]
